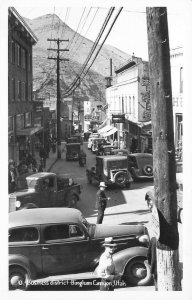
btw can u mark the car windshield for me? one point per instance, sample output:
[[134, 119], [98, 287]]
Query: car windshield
[[90, 227], [117, 164], [31, 183]]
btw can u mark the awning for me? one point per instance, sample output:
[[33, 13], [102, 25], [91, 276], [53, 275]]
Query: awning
[[110, 132], [105, 129], [29, 131]]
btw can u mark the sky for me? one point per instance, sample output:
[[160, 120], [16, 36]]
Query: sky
[[129, 33]]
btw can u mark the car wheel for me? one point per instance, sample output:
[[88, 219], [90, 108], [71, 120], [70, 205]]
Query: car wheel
[[137, 273], [148, 170], [18, 278], [72, 200], [120, 178]]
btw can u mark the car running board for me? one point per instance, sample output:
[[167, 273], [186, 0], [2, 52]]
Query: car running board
[[78, 276]]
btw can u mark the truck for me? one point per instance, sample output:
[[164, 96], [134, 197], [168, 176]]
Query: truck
[[46, 189]]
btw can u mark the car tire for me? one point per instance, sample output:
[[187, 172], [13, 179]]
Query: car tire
[[18, 278], [72, 199], [120, 178], [137, 272], [148, 170]]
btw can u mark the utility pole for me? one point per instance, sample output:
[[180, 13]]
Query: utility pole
[[163, 150], [58, 41]]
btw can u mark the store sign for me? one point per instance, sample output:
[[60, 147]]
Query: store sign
[[118, 118]]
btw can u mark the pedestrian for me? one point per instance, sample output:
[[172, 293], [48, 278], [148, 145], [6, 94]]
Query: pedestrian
[[12, 177], [43, 155], [106, 269], [152, 259], [101, 202]]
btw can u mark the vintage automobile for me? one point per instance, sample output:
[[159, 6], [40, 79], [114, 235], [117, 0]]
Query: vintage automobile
[[111, 169], [73, 151], [105, 149], [91, 138], [120, 152], [49, 244], [140, 165], [98, 142], [149, 197], [46, 190], [78, 138]]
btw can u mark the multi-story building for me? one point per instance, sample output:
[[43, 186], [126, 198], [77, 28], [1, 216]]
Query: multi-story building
[[176, 58], [20, 104], [130, 96]]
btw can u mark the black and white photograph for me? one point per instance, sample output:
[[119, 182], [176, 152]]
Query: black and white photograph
[[96, 148]]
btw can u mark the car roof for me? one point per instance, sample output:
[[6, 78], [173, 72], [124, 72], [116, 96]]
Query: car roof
[[141, 154], [40, 216], [113, 157], [40, 175]]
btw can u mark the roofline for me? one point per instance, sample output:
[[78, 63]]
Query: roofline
[[21, 20]]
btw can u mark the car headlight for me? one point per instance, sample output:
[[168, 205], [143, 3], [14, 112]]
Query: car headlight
[[18, 204], [143, 239]]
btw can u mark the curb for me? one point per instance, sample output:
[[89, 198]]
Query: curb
[[50, 167]]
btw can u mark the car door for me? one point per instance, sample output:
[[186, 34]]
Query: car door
[[64, 249]]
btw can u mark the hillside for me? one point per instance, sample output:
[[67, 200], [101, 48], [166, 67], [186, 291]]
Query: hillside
[[93, 86]]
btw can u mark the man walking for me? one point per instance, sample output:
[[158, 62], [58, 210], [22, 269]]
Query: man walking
[[101, 202]]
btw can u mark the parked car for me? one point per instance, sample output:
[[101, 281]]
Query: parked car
[[120, 152], [46, 190], [73, 151], [149, 197], [105, 149], [112, 170], [141, 165], [97, 142], [48, 242], [78, 138], [91, 138]]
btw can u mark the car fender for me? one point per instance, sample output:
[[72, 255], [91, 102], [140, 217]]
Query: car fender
[[24, 262], [121, 258]]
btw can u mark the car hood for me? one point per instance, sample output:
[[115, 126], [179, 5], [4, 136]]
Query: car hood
[[103, 231], [23, 193]]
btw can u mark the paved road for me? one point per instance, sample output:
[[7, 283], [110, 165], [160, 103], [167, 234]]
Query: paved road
[[127, 206]]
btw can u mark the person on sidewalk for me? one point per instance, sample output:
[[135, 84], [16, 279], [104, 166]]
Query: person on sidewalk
[[43, 155], [101, 202], [152, 259], [12, 174], [106, 269]]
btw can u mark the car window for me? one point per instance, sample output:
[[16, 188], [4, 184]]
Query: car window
[[62, 231], [25, 234]]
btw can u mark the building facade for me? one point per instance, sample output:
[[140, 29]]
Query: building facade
[[130, 96], [20, 103], [176, 58]]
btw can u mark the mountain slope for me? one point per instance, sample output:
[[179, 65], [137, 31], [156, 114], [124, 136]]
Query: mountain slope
[[93, 86]]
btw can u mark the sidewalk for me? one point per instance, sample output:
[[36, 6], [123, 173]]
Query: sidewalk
[[52, 158]]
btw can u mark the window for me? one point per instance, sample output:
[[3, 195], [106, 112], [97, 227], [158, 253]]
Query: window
[[26, 234], [13, 52], [23, 91], [18, 55], [19, 89], [29, 92], [133, 106], [20, 121], [62, 231], [23, 58], [181, 80], [28, 119], [13, 88], [10, 124]]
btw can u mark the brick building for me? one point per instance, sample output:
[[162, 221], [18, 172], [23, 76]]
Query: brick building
[[20, 103]]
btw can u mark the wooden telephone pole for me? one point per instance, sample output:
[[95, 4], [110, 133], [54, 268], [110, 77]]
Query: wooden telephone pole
[[163, 149], [58, 41]]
